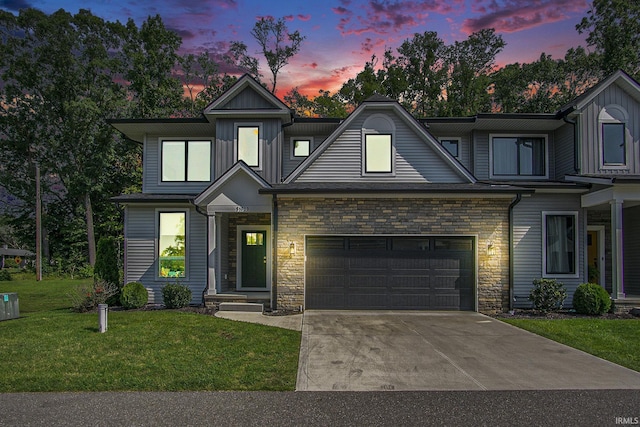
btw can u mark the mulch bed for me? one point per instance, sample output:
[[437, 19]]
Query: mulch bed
[[561, 314]]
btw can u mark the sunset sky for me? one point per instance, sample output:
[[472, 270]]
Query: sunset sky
[[342, 34]]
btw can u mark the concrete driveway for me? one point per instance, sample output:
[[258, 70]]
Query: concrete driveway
[[387, 350]]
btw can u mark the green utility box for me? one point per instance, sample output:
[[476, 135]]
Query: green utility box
[[9, 307]]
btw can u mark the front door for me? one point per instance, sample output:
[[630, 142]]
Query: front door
[[253, 265]]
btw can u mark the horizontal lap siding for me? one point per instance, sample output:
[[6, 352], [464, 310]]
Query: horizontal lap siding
[[527, 242], [564, 151], [140, 251], [415, 160], [152, 169]]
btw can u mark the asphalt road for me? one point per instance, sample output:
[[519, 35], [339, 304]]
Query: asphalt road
[[476, 408]]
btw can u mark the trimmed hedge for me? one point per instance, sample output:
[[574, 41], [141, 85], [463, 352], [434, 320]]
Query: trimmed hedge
[[133, 295], [175, 295], [547, 295], [592, 299]]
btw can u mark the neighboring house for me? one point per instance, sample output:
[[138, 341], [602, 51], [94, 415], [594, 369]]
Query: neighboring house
[[383, 211]]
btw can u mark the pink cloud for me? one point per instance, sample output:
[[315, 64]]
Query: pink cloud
[[515, 15], [304, 17]]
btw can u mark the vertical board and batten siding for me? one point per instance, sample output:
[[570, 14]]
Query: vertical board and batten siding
[[590, 132], [140, 258], [631, 251], [482, 162], [527, 243], [152, 169], [270, 137], [415, 160], [564, 151], [248, 99]]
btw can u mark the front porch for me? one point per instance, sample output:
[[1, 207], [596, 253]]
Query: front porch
[[614, 240]]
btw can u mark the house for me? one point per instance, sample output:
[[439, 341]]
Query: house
[[385, 211]]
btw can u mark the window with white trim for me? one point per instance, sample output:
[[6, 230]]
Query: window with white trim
[[378, 146], [518, 156], [172, 243], [560, 243], [184, 160], [613, 141], [378, 154], [248, 145]]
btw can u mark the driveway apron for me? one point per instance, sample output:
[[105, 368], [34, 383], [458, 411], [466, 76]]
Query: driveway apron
[[393, 350]]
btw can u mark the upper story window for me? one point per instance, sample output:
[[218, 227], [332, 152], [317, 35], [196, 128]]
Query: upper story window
[[378, 149], [186, 160], [452, 145], [247, 147], [612, 120], [518, 156], [378, 154], [301, 147]]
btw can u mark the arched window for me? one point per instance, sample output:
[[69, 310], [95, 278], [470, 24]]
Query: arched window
[[613, 140]]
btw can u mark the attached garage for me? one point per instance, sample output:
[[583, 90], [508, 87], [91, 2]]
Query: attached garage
[[390, 272]]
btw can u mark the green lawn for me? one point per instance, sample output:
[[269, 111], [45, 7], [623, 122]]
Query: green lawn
[[616, 340], [51, 348]]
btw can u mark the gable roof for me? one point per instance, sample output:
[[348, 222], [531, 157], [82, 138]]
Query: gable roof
[[221, 191], [380, 103], [261, 102], [622, 79]]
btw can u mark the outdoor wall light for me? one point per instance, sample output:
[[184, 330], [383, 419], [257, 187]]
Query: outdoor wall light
[[292, 248], [490, 249]]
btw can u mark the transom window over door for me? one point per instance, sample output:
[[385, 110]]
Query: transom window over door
[[518, 156], [186, 161], [560, 245], [248, 145]]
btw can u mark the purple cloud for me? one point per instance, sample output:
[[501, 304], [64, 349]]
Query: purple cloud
[[516, 15], [385, 17]]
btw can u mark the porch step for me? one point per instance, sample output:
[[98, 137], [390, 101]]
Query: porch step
[[261, 298], [241, 306]]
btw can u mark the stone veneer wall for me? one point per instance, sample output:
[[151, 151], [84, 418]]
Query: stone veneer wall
[[487, 219]]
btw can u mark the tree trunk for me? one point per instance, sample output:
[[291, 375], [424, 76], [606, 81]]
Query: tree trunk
[[91, 238]]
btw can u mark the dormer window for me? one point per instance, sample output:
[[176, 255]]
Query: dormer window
[[613, 119], [186, 161], [247, 147], [378, 149]]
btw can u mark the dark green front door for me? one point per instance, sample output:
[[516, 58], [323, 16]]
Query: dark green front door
[[254, 259]]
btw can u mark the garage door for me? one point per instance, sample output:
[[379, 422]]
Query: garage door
[[395, 273]]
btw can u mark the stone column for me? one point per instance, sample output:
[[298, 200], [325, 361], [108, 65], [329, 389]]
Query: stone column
[[617, 289]]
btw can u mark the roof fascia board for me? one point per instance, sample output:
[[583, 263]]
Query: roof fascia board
[[242, 83], [239, 167], [408, 118]]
